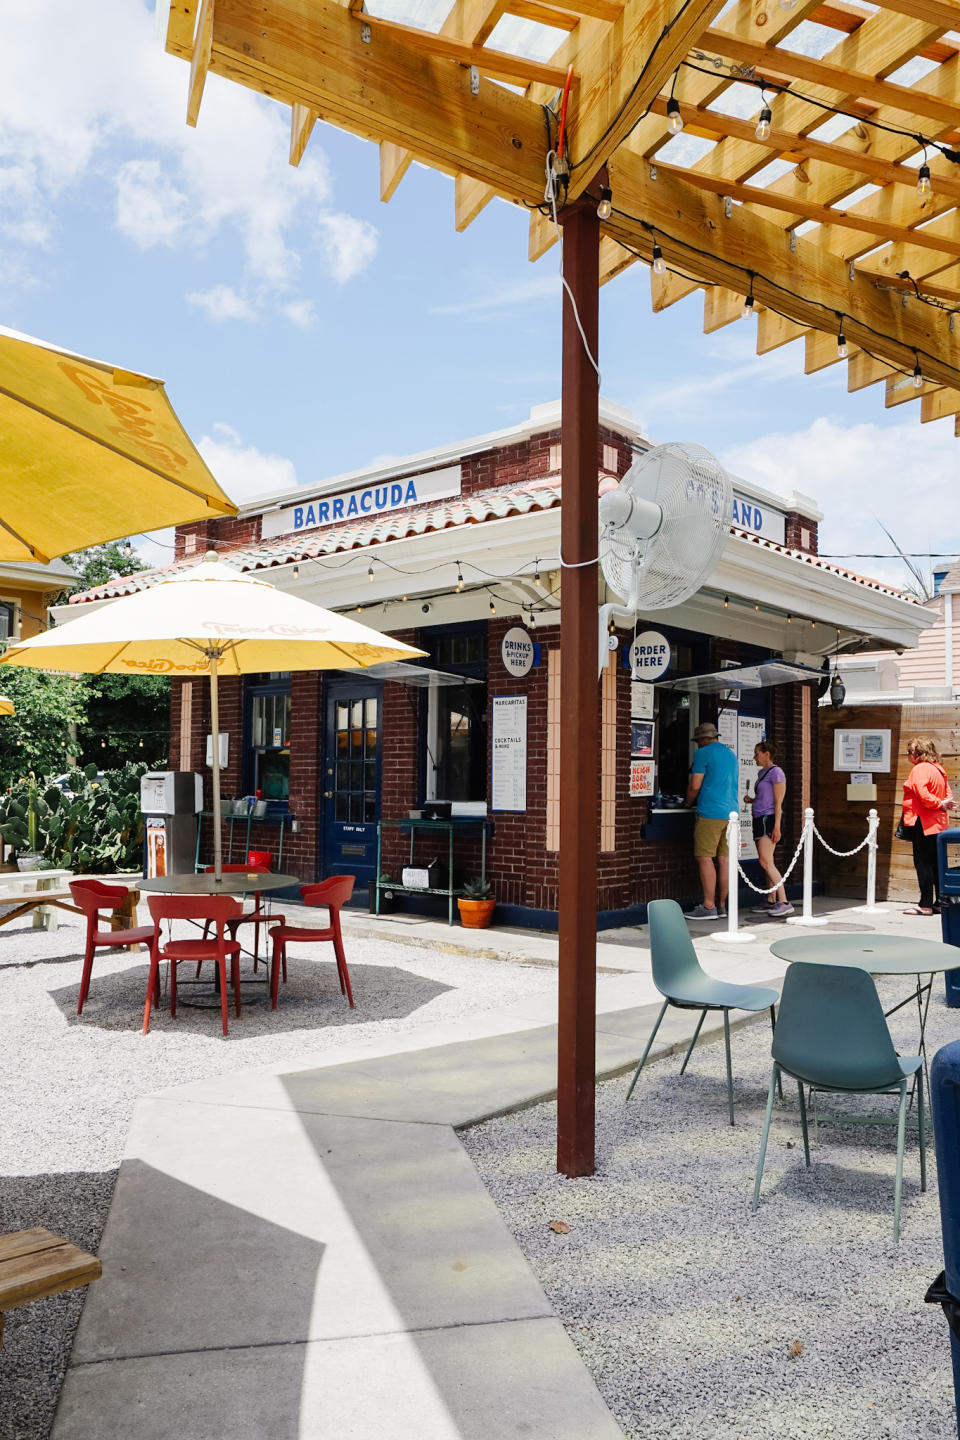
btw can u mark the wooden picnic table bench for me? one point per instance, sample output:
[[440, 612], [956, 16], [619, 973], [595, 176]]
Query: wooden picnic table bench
[[35, 1263], [37, 889]]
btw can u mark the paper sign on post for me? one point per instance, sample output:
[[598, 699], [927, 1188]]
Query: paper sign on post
[[641, 777]]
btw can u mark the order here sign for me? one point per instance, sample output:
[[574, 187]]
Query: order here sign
[[649, 656]]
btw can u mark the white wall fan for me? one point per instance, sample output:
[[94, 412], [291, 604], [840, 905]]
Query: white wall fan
[[664, 527]]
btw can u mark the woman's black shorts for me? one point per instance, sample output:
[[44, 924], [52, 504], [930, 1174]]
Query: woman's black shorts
[[762, 825]]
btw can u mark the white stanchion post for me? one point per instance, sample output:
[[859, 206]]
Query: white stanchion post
[[808, 917], [733, 934], [871, 907]]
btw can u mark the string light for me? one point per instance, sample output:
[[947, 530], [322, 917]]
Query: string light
[[843, 349], [459, 578], [748, 302], [127, 549], [789, 619], [674, 118], [533, 619], [296, 572], [605, 208], [370, 571], [493, 608], [536, 571], [659, 264], [726, 602], [924, 187], [917, 376], [763, 124]]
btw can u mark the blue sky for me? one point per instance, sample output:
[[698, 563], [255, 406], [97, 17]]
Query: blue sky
[[304, 328]]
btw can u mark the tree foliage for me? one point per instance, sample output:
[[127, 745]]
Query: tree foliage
[[39, 736]]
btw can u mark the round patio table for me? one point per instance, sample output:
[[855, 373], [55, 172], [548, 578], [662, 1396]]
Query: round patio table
[[881, 955], [231, 883]]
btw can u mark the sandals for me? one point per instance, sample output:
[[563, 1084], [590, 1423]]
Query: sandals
[[917, 910]]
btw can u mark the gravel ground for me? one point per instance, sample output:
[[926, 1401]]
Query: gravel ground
[[69, 1085], [702, 1321]]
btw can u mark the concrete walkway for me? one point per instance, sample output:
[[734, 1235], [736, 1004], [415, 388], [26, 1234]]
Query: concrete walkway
[[304, 1253]]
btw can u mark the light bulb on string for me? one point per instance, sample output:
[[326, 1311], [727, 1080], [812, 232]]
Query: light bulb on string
[[296, 572], [748, 309], [459, 585], [789, 619], [536, 571], [533, 619], [493, 608], [917, 376], [763, 124], [370, 572], [659, 264], [127, 549], [924, 187], [843, 349], [605, 207], [674, 118]]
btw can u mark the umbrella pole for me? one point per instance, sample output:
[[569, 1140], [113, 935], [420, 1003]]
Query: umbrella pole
[[215, 756]]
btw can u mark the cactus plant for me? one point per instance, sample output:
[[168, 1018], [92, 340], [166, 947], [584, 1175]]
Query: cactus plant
[[91, 826]]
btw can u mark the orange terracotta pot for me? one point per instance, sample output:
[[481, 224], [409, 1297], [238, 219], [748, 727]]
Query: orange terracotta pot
[[475, 914]]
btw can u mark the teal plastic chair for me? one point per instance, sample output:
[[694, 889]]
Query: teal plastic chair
[[832, 1035], [679, 977]]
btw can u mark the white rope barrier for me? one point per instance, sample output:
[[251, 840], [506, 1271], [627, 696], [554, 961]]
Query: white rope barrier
[[871, 907], [733, 933], [807, 917]]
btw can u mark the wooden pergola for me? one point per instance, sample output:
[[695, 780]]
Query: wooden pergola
[[795, 160]]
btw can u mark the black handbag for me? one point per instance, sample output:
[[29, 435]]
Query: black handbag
[[901, 832]]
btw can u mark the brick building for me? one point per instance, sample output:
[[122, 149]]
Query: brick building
[[456, 550]]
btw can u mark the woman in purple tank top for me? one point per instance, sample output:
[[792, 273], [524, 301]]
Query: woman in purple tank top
[[767, 812]]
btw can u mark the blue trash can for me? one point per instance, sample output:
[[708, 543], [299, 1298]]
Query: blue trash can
[[945, 1103], [949, 907]]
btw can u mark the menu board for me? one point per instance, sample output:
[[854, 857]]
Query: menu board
[[508, 744]]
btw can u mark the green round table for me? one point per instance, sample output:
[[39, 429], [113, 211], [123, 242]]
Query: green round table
[[880, 954]]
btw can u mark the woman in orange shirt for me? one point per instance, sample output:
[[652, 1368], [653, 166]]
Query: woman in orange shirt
[[926, 799]]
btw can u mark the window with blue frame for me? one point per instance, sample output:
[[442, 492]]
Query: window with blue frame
[[454, 733], [267, 735]]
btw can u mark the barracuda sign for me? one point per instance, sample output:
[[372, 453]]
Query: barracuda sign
[[377, 499]]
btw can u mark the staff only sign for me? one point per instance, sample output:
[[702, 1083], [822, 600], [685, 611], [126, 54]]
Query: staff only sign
[[376, 499]]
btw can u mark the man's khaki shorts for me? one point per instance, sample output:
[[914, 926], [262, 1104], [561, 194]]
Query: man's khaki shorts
[[709, 837]]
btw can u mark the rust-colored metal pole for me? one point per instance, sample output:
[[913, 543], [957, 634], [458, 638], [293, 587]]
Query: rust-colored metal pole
[[579, 704]]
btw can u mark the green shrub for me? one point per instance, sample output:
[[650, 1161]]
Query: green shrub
[[96, 829]]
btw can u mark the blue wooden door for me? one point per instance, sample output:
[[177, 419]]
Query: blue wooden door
[[351, 780]]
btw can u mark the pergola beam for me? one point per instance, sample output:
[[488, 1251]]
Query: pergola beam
[[622, 68], [383, 89], [801, 281]]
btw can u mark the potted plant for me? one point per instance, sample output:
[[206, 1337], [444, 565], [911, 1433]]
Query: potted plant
[[22, 828], [476, 904]]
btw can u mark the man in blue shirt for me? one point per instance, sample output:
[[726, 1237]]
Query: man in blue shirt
[[714, 786]]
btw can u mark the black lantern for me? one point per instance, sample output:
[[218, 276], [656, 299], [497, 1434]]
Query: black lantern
[[838, 691]]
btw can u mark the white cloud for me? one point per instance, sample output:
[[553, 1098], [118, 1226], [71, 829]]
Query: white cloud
[[503, 296], [902, 474], [151, 210], [222, 302], [242, 470], [348, 243], [301, 313], [113, 109]]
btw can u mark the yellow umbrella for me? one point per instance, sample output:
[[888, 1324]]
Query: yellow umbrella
[[210, 619], [6, 706], [90, 453]]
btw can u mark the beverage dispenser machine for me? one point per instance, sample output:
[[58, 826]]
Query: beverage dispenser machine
[[171, 801]]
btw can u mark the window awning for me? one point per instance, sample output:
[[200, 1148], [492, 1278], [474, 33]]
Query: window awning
[[402, 673], [739, 677]]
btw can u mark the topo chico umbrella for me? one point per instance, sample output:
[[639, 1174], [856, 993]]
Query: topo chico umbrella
[[90, 453], [211, 620]]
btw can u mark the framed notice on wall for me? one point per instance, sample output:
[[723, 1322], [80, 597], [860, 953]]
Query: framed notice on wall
[[641, 777], [508, 747], [861, 750]]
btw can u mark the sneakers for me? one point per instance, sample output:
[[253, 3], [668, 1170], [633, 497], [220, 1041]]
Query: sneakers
[[700, 912], [780, 911], [765, 908], [721, 912]]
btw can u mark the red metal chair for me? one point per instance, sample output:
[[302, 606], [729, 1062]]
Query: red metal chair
[[92, 897], [219, 910], [331, 894], [260, 914]]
